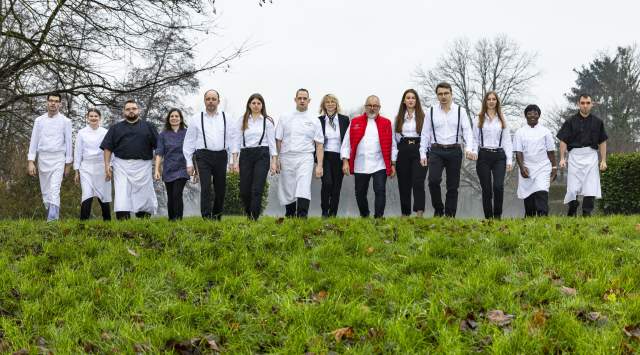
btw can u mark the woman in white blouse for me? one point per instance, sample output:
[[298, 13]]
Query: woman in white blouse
[[88, 164], [495, 155], [258, 153]]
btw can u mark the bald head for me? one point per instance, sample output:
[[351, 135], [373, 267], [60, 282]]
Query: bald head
[[372, 106], [211, 101]]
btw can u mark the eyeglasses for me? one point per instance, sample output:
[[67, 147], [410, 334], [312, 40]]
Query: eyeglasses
[[372, 106]]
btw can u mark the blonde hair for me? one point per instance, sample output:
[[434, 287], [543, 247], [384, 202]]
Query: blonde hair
[[324, 100]]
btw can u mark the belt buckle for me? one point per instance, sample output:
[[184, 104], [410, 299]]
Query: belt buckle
[[411, 141]]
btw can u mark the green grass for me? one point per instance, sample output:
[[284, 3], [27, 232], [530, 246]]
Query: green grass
[[403, 285]]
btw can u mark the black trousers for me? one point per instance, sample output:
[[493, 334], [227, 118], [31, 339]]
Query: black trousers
[[537, 204], [124, 215], [85, 209], [175, 206], [212, 168], [331, 184], [451, 161], [254, 167], [411, 175], [299, 208], [588, 203], [379, 190], [491, 167]]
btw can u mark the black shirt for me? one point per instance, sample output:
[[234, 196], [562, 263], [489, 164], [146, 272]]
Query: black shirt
[[578, 132], [131, 140]]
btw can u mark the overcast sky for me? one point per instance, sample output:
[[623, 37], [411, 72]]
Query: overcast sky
[[354, 48]]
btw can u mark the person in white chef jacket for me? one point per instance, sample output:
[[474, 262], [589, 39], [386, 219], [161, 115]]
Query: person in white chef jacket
[[88, 163], [298, 135], [535, 154], [50, 154]]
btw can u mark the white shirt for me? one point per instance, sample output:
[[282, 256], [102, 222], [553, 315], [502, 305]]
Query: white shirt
[[534, 143], [51, 135], [368, 158], [87, 147], [491, 131], [298, 131], [253, 133], [214, 132], [408, 130], [446, 125], [332, 136]]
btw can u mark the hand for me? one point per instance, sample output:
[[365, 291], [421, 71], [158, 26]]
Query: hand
[[108, 173], [319, 171], [563, 163], [603, 165], [278, 167], [472, 156], [236, 167], [67, 170], [393, 171], [424, 162], [274, 168], [345, 168], [31, 169], [554, 173], [524, 172], [509, 168], [156, 175], [76, 178], [191, 171]]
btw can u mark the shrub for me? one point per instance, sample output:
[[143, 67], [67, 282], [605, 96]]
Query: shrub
[[621, 184], [232, 202]]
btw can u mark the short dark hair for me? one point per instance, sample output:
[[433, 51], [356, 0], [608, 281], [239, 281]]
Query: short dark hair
[[444, 85], [585, 96], [54, 94], [303, 90], [167, 125], [93, 109], [130, 101], [532, 108]]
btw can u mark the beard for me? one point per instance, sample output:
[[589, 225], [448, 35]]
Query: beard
[[131, 117]]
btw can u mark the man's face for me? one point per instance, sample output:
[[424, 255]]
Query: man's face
[[211, 101], [585, 105], [372, 106], [53, 104], [302, 101], [131, 111], [444, 96], [532, 118]]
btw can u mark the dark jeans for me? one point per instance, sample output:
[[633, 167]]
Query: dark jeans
[[537, 204], [299, 209], [124, 215], [379, 190], [175, 206], [331, 184], [451, 161], [411, 175], [212, 167], [491, 167], [588, 203], [85, 209], [254, 167]]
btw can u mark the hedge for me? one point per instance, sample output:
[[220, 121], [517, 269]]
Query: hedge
[[621, 184]]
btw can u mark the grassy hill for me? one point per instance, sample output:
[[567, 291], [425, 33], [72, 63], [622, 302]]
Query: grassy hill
[[320, 286]]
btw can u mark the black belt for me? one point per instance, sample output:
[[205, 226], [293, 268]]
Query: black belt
[[209, 151], [410, 140], [492, 150], [446, 146], [260, 147]]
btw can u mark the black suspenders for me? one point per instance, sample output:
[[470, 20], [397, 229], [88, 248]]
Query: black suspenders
[[482, 138], [264, 127], [224, 134], [433, 128]]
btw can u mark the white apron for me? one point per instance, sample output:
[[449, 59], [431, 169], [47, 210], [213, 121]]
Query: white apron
[[539, 175], [92, 180], [295, 177], [584, 175], [134, 192], [50, 173]]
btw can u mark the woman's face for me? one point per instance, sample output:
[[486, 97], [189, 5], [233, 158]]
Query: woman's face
[[256, 106], [492, 101], [93, 119], [174, 119], [410, 100], [330, 105]]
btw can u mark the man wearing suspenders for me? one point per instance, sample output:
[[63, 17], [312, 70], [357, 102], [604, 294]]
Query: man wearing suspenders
[[207, 142], [445, 126]]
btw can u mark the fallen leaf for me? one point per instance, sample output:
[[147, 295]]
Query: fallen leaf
[[4, 345], [89, 347], [211, 342], [539, 318], [612, 294], [280, 220], [21, 352], [632, 331], [374, 333], [638, 227], [568, 291], [343, 333], [320, 296], [141, 348], [469, 324], [234, 326], [132, 252], [370, 250], [105, 336], [315, 265], [499, 318]]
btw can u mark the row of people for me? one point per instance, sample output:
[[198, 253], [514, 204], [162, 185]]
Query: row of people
[[329, 146]]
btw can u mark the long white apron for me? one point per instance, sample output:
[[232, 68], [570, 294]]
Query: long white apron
[[295, 177], [50, 173], [133, 183], [539, 178], [583, 176], [92, 180]]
